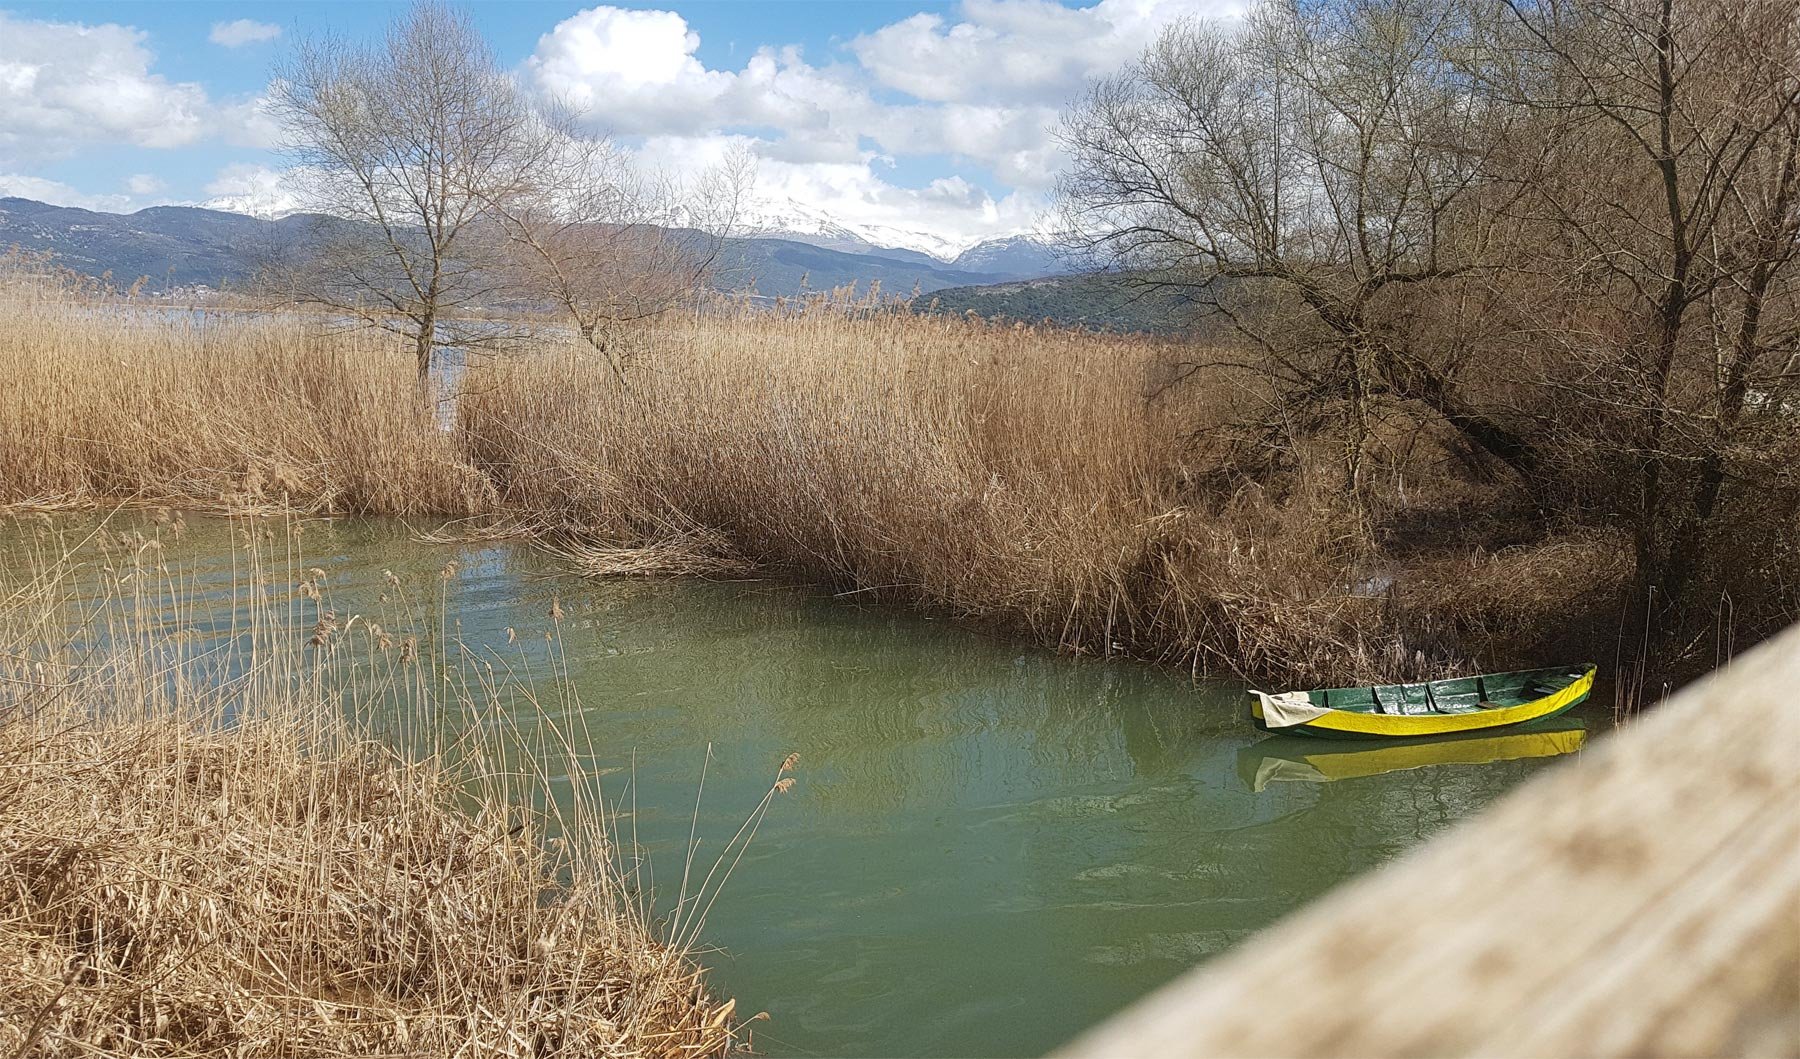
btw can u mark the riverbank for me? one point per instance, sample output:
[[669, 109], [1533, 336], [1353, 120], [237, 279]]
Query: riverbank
[[1086, 492], [207, 848]]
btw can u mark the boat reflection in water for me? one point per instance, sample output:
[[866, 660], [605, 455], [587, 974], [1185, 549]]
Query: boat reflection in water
[[1295, 759]]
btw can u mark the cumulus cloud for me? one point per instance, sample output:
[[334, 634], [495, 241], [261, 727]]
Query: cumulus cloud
[[984, 87], [636, 72], [143, 184], [239, 32], [20, 185], [1019, 51], [64, 83]]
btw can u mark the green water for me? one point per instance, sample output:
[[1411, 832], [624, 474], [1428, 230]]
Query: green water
[[989, 848]]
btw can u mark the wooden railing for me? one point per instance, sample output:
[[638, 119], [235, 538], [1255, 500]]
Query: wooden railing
[[1643, 899]]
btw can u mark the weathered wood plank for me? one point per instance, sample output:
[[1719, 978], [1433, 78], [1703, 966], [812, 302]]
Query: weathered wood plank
[[1643, 899]]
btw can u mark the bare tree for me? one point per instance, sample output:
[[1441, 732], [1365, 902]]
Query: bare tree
[[1293, 176], [1667, 189], [400, 146], [608, 247], [1569, 228]]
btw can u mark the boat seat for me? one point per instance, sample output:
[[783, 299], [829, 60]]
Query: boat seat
[[1402, 699], [1456, 701]]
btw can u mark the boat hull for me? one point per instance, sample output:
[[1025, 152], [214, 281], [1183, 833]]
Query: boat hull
[[1347, 724]]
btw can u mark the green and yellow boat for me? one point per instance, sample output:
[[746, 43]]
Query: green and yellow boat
[[1427, 708], [1281, 759]]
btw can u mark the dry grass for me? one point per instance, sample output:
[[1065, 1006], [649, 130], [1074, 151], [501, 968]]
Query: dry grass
[[104, 402], [199, 854]]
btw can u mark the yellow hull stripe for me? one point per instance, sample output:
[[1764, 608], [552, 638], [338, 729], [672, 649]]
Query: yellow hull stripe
[[1404, 725], [1478, 750]]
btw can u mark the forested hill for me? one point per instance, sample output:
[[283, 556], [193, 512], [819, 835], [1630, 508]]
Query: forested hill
[[785, 267], [1108, 302], [174, 246]]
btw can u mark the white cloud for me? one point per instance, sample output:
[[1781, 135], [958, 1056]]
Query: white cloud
[[985, 87], [1019, 51], [635, 72], [144, 184], [64, 83], [1015, 143], [631, 71], [942, 217], [248, 123], [20, 185], [237, 33]]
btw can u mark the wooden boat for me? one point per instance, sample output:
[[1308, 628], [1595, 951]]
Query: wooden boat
[[1437, 707], [1280, 759]]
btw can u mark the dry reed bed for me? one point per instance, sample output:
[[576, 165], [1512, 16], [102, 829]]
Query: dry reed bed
[[1020, 477], [200, 855], [1016, 476], [925, 456], [105, 402]]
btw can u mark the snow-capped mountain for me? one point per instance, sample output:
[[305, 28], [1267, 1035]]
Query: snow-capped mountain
[[186, 245], [255, 205], [803, 223], [1014, 255]]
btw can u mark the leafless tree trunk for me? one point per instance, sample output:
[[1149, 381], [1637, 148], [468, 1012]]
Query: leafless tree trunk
[[400, 146], [1693, 203]]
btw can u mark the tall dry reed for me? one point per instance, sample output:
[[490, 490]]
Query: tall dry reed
[[1011, 475], [103, 400], [202, 850]]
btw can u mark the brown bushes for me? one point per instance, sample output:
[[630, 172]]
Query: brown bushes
[[982, 472]]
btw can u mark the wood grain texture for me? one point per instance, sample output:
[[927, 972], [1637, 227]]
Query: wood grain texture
[[1640, 900]]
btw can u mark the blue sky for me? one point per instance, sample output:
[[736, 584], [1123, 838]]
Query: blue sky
[[927, 122]]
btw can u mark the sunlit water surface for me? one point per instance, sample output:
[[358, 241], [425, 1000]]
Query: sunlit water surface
[[989, 847]]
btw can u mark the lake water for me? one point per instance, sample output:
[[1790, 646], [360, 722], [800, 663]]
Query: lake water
[[989, 847]]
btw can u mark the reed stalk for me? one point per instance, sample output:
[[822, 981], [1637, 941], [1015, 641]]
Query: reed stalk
[[248, 821]]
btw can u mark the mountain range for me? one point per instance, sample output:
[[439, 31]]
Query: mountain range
[[1016, 256], [786, 251]]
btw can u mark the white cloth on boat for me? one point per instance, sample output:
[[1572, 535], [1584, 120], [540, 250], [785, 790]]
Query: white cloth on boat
[[1288, 708]]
